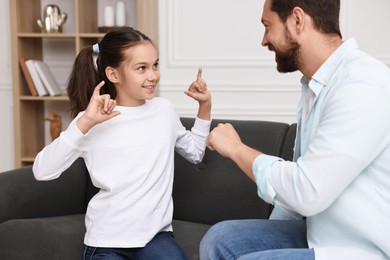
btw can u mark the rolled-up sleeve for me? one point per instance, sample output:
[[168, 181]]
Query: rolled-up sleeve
[[262, 170]]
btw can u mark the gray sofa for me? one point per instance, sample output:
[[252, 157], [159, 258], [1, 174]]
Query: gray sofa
[[45, 220]]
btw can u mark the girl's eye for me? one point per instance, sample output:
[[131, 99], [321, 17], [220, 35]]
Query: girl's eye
[[155, 65], [141, 68]]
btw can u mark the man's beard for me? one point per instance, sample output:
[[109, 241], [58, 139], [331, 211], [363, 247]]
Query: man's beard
[[287, 60]]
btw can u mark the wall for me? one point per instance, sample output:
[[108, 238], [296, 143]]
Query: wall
[[222, 36]]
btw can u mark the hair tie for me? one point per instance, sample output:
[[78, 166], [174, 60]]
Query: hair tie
[[95, 48]]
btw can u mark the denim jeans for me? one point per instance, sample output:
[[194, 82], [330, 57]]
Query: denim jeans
[[256, 239], [163, 246]]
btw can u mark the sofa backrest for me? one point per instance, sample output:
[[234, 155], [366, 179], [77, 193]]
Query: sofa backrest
[[22, 196], [217, 189]]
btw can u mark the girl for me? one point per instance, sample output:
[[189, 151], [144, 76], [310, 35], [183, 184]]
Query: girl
[[127, 138]]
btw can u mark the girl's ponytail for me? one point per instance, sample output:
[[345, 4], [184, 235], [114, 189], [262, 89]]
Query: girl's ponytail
[[82, 81]]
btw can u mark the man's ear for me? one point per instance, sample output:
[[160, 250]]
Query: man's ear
[[112, 74], [298, 19]]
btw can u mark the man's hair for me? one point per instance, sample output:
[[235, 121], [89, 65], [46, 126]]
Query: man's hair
[[324, 13]]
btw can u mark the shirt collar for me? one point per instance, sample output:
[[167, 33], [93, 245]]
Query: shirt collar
[[327, 69], [325, 72]]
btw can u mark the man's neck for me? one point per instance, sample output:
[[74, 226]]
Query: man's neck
[[316, 51]]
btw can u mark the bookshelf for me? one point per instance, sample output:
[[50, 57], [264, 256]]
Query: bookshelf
[[29, 42]]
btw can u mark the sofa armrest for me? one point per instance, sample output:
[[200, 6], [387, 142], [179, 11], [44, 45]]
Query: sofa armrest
[[21, 196]]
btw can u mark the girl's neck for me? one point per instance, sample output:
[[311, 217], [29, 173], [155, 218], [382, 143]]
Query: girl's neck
[[130, 102]]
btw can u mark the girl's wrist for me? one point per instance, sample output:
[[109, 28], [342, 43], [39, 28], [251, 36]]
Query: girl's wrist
[[85, 124], [204, 111]]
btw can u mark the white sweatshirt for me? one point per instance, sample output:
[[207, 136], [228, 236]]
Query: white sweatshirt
[[130, 158]]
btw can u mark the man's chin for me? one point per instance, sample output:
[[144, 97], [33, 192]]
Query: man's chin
[[285, 70]]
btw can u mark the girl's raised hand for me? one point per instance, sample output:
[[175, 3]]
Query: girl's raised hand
[[100, 109], [198, 89]]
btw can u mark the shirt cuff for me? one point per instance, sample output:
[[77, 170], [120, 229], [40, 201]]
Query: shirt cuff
[[201, 126], [261, 171]]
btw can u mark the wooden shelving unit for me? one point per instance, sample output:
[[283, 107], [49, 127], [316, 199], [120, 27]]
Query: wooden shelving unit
[[27, 42]]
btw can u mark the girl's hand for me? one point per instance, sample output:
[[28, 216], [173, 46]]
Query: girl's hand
[[198, 89], [100, 109]]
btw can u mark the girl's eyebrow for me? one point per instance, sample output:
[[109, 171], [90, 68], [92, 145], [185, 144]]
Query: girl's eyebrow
[[145, 62]]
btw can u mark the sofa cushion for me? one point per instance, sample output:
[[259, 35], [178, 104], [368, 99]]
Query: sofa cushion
[[53, 238], [61, 238], [188, 236]]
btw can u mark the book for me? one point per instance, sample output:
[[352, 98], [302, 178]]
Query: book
[[41, 90], [27, 77], [48, 78]]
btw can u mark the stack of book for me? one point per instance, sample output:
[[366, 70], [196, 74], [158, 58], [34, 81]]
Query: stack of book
[[40, 80]]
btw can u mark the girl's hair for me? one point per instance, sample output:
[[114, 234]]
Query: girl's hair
[[324, 13], [86, 74]]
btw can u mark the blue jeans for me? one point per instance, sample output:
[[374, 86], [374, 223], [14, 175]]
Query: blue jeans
[[256, 239], [163, 246]]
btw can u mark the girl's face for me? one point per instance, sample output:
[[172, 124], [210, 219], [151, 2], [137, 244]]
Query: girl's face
[[137, 77]]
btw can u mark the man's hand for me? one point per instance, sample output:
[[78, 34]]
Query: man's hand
[[225, 140]]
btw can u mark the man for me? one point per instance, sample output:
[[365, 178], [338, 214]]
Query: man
[[339, 180]]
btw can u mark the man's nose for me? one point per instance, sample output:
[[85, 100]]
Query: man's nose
[[264, 41]]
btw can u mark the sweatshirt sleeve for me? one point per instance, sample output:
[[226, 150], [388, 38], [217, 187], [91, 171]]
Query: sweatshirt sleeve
[[192, 144], [59, 155]]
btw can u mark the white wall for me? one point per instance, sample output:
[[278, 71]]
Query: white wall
[[222, 36]]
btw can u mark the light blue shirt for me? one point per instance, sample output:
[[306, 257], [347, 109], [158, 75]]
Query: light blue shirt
[[340, 177]]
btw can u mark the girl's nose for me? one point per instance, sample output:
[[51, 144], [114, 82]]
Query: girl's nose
[[153, 75]]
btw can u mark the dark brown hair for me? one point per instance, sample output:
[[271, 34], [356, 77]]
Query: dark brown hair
[[85, 75], [324, 13]]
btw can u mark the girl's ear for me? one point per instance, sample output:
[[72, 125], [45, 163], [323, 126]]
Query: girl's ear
[[112, 74]]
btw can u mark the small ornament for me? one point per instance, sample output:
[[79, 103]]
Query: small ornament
[[55, 124], [52, 20]]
